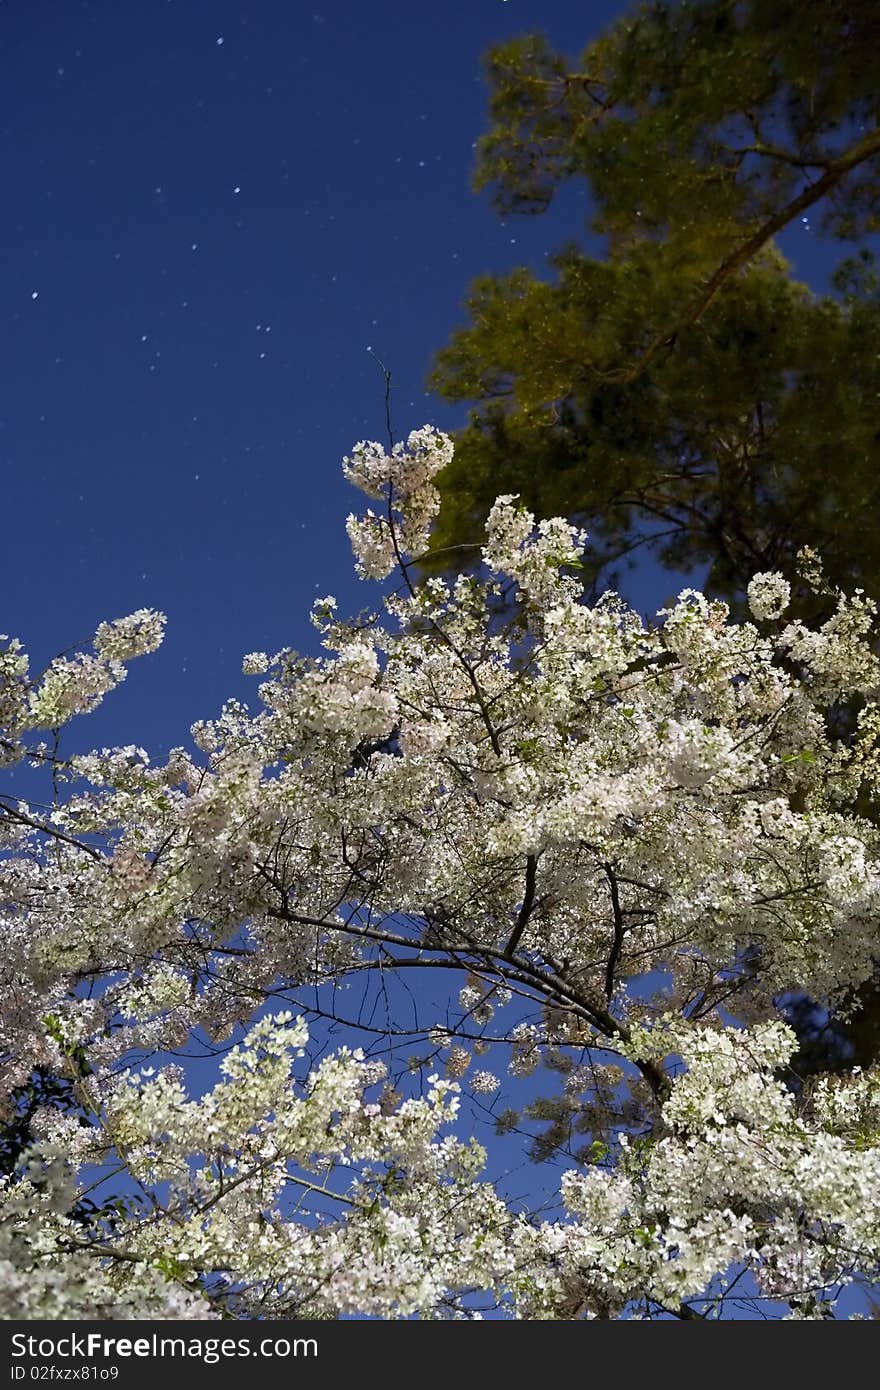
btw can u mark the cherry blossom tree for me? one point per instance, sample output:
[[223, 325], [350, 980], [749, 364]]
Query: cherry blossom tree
[[496, 860]]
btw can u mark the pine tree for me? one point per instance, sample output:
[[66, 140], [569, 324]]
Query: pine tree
[[683, 394]]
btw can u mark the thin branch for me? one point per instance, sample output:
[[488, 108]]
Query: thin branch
[[835, 172], [13, 813]]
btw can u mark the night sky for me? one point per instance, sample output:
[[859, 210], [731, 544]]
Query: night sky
[[212, 214]]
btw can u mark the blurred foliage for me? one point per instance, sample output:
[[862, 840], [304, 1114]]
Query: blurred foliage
[[42, 1089]]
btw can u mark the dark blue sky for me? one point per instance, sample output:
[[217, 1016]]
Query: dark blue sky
[[211, 213]]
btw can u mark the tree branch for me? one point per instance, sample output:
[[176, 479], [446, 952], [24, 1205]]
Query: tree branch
[[834, 173], [13, 813], [617, 944], [526, 906]]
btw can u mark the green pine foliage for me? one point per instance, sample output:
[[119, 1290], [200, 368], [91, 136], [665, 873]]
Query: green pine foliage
[[683, 394]]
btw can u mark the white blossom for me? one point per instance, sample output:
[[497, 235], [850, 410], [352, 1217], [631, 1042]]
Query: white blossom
[[617, 845], [484, 1083], [769, 596]]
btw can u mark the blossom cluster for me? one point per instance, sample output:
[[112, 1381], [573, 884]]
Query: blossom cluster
[[71, 685], [403, 479], [616, 843]]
